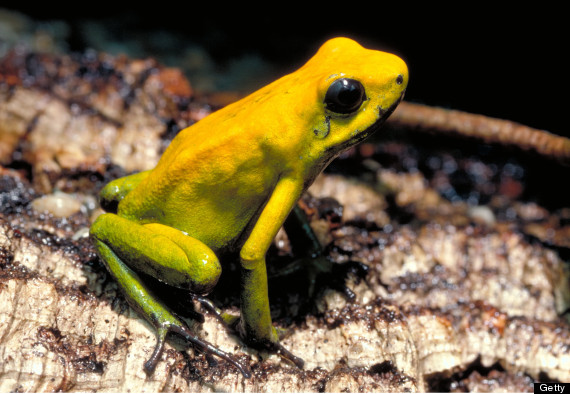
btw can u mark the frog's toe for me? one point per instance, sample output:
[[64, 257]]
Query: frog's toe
[[227, 319], [286, 354], [208, 348], [232, 322], [337, 277], [270, 343], [200, 344], [150, 364], [323, 274]]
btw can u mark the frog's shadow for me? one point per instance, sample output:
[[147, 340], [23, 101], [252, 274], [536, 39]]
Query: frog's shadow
[[288, 292]]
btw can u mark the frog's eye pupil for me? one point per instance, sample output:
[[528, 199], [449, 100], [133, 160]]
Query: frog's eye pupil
[[344, 96]]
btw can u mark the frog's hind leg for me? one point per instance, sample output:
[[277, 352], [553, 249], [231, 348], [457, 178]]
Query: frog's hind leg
[[168, 255]]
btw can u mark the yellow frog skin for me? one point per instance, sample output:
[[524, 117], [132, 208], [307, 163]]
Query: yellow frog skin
[[228, 182]]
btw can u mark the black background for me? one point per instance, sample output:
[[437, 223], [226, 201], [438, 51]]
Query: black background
[[505, 62]]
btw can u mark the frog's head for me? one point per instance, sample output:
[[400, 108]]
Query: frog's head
[[354, 89]]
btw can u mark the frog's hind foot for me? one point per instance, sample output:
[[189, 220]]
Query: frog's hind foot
[[199, 344], [150, 364], [209, 306], [227, 319]]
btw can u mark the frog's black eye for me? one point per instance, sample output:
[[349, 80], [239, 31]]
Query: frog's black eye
[[344, 96]]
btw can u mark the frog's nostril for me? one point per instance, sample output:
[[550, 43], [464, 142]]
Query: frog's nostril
[[399, 79]]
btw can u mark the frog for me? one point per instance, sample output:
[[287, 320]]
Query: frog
[[228, 183]]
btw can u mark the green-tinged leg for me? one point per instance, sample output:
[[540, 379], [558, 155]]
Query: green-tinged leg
[[255, 322], [120, 242], [255, 319]]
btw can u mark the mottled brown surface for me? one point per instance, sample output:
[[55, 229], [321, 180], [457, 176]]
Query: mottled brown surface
[[466, 291], [78, 114]]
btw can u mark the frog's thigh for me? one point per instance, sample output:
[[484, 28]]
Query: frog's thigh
[[160, 251]]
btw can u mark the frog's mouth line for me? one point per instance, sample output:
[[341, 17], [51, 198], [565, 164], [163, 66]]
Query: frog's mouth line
[[373, 128]]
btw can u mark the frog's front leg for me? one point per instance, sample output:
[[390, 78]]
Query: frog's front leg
[[255, 323], [114, 192], [166, 254], [322, 272]]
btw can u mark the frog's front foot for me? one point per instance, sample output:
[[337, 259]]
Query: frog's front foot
[[337, 276], [323, 273], [202, 345], [271, 345], [233, 323], [286, 354], [274, 346]]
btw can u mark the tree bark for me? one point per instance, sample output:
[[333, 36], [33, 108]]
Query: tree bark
[[459, 296]]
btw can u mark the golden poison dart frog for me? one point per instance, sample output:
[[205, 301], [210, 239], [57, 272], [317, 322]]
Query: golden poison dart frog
[[228, 182]]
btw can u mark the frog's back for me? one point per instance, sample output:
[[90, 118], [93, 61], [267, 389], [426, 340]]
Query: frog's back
[[209, 183], [217, 175]]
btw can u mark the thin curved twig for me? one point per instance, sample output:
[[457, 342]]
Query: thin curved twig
[[491, 130]]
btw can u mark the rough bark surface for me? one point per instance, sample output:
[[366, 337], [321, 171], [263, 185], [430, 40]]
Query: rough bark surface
[[466, 291]]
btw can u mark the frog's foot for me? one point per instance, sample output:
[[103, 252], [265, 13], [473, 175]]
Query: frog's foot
[[209, 306], [286, 354], [271, 345], [227, 319], [339, 273], [232, 323], [323, 273], [277, 348], [200, 344]]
